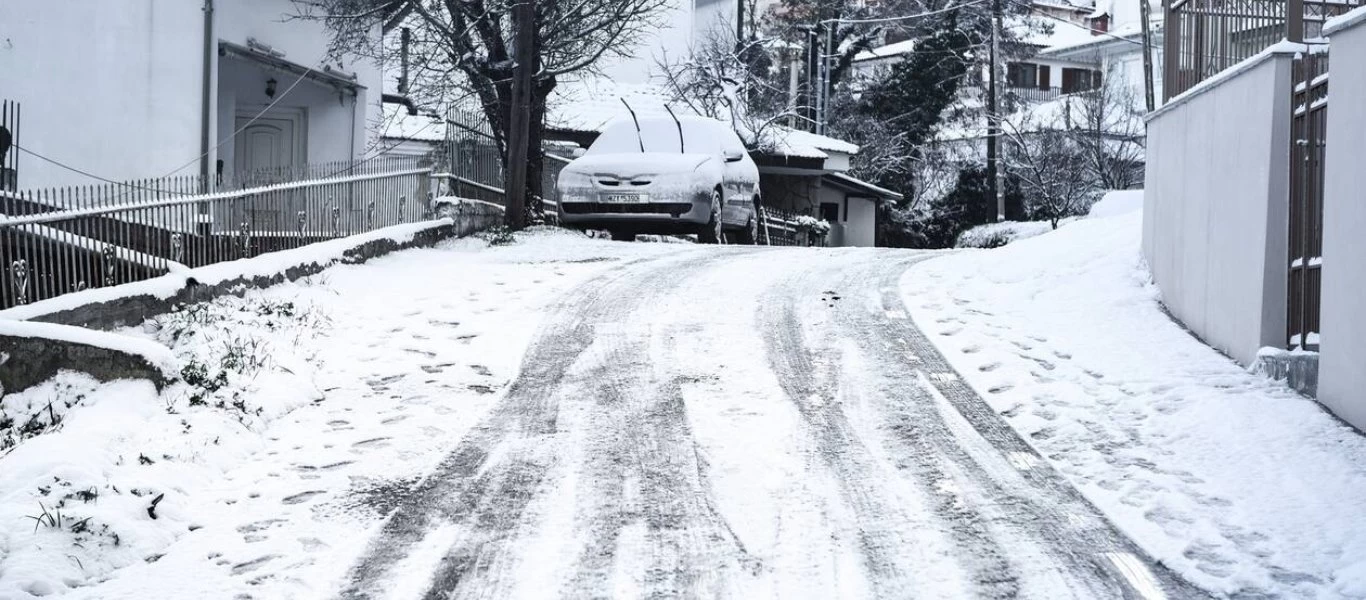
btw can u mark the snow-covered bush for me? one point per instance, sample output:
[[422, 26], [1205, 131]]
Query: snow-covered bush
[[995, 235], [812, 228]]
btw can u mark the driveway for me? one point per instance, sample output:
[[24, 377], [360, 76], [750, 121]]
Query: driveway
[[741, 422]]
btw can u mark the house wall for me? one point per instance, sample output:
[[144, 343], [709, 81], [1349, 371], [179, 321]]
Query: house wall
[[332, 129], [114, 90], [861, 222], [1214, 218], [1342, 343], [335, 129]]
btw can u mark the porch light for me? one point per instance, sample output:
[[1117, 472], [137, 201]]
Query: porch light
[[270, 87]]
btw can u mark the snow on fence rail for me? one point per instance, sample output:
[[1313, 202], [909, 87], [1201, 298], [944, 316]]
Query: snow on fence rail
[[57, 241]]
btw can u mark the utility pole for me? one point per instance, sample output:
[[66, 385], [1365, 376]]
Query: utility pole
[[1145, 13], [995, 172], [519, 122]]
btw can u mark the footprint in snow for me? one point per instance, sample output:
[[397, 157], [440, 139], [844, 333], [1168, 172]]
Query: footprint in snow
[[481, 370], [252, 565], [393, 419], [301, 497], [377, 442], [973, 349], [1005, 387], [989, 367]]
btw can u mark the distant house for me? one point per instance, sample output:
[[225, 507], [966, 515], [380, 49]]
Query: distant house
[[141, 89], [1117, 46], [800, 172]]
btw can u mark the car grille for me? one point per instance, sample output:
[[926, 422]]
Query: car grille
[[583, 208]]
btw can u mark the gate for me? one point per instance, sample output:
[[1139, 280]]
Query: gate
[[1308, 135]]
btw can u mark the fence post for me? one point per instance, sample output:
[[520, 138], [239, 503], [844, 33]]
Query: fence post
[[1294, 20]]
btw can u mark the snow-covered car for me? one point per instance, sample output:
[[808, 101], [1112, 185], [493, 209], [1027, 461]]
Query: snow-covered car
[[663, 175]]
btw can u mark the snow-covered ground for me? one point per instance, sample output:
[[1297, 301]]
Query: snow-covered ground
[[751, 422], [316, 396], [1240, 485]]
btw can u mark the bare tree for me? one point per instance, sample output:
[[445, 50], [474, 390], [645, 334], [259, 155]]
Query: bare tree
[[1107, 125], [1068, 152], [731, 81], [463, 49]]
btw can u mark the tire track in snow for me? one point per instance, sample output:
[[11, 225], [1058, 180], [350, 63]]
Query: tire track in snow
[[485, 484], [1001, 473]]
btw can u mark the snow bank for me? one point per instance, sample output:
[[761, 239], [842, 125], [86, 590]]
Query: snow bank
[[155, 354], [995, 235], [1238, 483], [1116, 203]]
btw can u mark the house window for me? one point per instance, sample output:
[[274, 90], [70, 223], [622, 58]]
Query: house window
[[1100, 24], [1022, 75], [1044, 73], [1079, 80], [830, 212]]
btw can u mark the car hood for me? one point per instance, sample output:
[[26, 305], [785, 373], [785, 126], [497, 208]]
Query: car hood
[[629, 165]]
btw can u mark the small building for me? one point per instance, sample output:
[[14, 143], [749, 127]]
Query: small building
[[141, 89]]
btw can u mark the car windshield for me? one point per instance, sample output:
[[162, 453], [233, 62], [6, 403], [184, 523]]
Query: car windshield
[[659, 135]]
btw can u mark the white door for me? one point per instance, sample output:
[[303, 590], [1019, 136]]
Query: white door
[[268, 149]]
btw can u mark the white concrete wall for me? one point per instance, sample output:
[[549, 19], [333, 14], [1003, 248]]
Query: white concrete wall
[[114, 88], [108, 87], [860, 225], [1214, 216], [1342, 347]]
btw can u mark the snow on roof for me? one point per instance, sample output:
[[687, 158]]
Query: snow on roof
[[1354, 17], [890, 50], [1030, 29], [1119, 35], [804, 144], [398, 124], [590, 105]]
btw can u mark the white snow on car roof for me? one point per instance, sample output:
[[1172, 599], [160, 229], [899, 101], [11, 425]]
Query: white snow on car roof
[[591, 105]]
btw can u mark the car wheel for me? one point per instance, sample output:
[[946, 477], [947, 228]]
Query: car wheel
[[750, 234], [622, 235], [711, 232]]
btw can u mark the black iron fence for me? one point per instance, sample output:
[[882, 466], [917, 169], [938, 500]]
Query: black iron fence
[[1204, 37], [1308, 134]]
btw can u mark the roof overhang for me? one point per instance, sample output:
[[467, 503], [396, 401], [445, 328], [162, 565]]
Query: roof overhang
[[325, 76], [855, 185]]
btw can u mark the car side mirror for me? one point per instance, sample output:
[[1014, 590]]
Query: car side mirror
[[733, 155]]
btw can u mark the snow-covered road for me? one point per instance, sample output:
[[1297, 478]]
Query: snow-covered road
[[747, 423], [685, 422]]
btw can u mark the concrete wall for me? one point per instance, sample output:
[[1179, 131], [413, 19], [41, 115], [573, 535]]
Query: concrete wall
[[1342, 343], [114, 88], [1214, 216]]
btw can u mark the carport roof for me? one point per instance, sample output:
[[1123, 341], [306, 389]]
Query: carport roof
[[854, 184]]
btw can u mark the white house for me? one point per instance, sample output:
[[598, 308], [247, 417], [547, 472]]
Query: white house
[[150, 88], [1119, 50]]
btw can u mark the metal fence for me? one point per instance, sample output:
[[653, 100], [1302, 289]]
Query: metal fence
[[9, 138], [779, 228], [62, 240], [1204, 37], [1309, 137]]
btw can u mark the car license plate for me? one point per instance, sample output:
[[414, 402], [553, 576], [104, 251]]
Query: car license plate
[[624, 198]]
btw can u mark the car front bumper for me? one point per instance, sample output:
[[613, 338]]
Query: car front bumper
[[661, 213]]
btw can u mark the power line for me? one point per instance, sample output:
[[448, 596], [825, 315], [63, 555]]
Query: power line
[[905, 17]]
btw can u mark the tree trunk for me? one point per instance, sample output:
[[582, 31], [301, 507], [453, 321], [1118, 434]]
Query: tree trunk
[[535, 174]]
